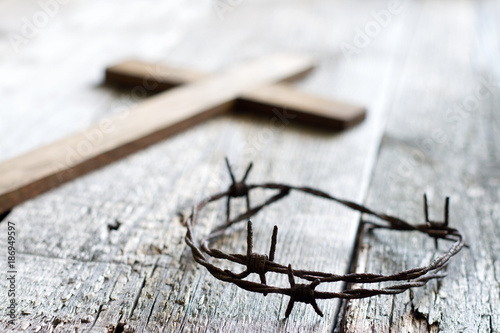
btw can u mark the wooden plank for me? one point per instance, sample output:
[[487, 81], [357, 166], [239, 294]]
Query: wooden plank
[[140, 277], [301, 106], [33, 173], [443, 139]]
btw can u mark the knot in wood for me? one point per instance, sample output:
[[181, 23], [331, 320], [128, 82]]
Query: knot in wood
[[238, 189], [256, 263], [303, 293]]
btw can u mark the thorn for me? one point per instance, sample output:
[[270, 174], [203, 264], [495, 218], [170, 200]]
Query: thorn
[[274, 239], [249, 238], [247, 172], [230, 171], [316, 308], [228, 208], [290, 276], [289, 308], [301, 293], [426, 209], [446, 210], [263, 280], [291, 302]]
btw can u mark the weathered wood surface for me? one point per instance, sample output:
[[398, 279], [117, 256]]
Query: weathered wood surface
[[76, 274], [141, 275], [442, 138]]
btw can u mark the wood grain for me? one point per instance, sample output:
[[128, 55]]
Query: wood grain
[[140, 277], [442, 139], [304, 108], [158, 117], [76, 274]]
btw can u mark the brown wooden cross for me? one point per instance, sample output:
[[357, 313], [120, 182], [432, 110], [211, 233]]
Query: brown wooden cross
[[252, 85]]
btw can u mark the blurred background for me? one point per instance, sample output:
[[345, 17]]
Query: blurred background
[[54, 52]]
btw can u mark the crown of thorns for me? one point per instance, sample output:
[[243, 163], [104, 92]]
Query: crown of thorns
[[261, 263]]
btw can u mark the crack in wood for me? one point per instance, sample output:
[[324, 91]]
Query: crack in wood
[[155, 265], [92, 261], [136, 299], [152, 308], [99, 309], [119, 326]]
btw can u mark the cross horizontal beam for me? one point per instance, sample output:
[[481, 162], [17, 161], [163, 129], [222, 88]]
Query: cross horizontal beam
[[305, 108]]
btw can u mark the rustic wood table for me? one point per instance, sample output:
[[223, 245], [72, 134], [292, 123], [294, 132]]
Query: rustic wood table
[[106, 253]]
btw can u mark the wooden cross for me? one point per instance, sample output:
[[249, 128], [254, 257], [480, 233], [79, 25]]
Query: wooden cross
[[251, 85]]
